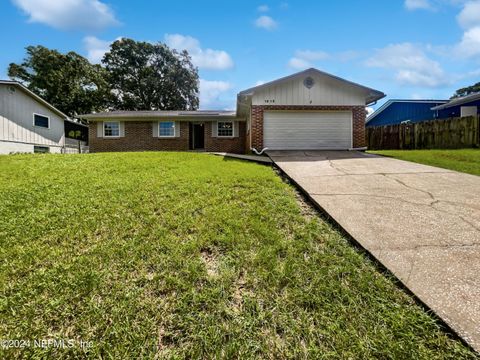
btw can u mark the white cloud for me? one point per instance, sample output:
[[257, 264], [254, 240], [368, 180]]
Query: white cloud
[[410, 64], [263, 8], [469, 20], [203, 58], [418, 4], [96, 48], [416, 96], [370, 110], [469, 46], [304, 58], [297, 63], [470, 15], [69, 14], [259, 82], [310, 55], [211, 91], [266, 22]]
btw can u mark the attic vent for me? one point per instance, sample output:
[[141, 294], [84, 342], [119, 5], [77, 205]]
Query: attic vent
[[308, 82]]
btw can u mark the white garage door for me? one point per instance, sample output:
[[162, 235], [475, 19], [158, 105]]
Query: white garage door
[[285, 130]]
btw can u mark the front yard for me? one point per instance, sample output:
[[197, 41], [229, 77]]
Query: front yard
[[463, 160], [189, 256]]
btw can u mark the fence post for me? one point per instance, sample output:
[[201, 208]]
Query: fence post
[[478, 130]]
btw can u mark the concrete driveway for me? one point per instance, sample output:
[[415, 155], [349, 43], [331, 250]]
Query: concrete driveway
[[421, 222]]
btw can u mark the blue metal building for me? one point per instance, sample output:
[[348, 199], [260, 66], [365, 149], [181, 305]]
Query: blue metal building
[[398, 111], [465, 106]]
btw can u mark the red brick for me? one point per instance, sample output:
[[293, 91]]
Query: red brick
[[138, 137], [234, 145]]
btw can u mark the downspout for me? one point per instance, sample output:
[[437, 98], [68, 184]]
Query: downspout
[[259, 152]]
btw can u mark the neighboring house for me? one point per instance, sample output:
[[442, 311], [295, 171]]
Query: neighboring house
[[308, 110], [399, 111], [460, 107], [27, 122]]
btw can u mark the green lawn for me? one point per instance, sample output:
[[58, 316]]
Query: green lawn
[[181, 255], [464, 160]]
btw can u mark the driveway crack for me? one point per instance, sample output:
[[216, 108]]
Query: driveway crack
[[332, 165], [375, 196], [431, 246], [430, 205], [412, 265], [411, 187], [470, 223]]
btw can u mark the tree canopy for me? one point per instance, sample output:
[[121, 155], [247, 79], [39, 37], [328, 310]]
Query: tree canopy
[[134, 76], [467, 91], [67, 81], [146, 76]]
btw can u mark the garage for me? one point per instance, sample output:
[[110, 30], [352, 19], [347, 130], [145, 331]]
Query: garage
[[307, 130]]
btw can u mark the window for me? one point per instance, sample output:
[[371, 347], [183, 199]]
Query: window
[[41, 149], [166, 129], [111, 129], [41, 121], [225, 128]]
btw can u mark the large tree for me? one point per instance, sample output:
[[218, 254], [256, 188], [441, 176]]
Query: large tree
[[146, 76], [67, 81], [467, 91]]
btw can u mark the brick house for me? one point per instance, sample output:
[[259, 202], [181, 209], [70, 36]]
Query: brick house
[[309, 110]]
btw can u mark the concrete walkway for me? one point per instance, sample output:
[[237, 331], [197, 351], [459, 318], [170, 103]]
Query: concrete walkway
[[255, 158], [421, 222]]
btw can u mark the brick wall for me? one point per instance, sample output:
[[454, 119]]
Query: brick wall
[[138, 137], [359, 115], [234, 145]]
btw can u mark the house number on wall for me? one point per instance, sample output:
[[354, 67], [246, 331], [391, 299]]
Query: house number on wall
[[269, 101]]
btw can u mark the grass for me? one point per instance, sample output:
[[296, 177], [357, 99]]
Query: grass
[[180, 255], [463, 160]]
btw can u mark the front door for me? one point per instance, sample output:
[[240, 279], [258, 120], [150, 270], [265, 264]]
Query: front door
[[198, 136]]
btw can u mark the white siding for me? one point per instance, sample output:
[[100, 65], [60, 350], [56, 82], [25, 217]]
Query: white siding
[[307, 130], [16, 120], [11, 147], [326, 91], [468, 111]]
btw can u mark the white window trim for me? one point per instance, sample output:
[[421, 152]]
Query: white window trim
[[111, 136], [233, 129], [174, 129], [33, 118]]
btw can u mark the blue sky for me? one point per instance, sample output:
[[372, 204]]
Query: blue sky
[[405, 48]]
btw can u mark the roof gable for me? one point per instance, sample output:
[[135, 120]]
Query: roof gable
[[371, 95], [34, 96]]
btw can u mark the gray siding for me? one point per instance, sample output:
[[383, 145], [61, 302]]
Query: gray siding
[[16, 120], [326, 91]]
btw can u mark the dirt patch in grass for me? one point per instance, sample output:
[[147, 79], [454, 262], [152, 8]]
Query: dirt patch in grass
[[210, 261], [306, 208], [240, 292]]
